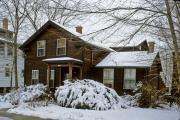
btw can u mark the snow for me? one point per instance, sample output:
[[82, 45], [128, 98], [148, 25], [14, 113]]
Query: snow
[[60, 113], [24, 94], [5, 105], [62, 59], [88, 94], [128, 59], [97, 44]]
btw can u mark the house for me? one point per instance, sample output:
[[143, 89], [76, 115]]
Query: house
[[55, 53], [6, 58]]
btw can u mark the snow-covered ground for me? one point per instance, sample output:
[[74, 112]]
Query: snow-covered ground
[[5, 105], [60, 113]]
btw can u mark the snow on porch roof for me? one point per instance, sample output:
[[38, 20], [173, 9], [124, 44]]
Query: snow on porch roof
[[62, 60], [128, 59]]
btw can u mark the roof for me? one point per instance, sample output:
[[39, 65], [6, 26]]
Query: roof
[[129, 44], [128, 59], [58, 26], [62, 60]]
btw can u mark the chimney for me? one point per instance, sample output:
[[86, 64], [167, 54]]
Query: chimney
[[5, 23], [151, 46], [79, 29]]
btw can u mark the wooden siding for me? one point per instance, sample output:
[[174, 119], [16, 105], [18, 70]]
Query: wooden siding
[[75, 48]]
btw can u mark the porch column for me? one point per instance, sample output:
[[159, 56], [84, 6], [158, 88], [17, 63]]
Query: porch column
[[70, 71], [48, 75], [81, 72]]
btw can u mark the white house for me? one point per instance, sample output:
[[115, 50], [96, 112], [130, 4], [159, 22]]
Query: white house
[[6, 59]]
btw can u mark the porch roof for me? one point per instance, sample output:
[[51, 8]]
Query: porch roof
[[62, 60]]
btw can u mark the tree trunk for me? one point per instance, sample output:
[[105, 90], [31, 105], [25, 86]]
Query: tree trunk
[[174, 38], [15, 61]]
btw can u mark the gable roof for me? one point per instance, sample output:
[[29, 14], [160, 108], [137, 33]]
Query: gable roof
[[58, 26], [140, 59]]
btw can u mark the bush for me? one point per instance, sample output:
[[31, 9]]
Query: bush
[[87, 94], [25, 94]]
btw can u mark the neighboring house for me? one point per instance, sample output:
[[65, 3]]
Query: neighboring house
[[6, 59], [54, 53]]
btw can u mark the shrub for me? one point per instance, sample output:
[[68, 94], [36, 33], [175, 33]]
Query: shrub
[[87, 94], [25, 94]]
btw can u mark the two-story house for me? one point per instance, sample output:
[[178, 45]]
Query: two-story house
[[6, 59], [55, 53]]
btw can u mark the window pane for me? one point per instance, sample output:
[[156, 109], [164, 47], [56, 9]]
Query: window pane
[[1, 49], [129, 78], [61, 42], [108, 77], [7, 72], [41, 44], [41, 52], [61, 51], [52, 74]]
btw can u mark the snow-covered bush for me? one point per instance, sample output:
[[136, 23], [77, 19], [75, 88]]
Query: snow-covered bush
[[25, 94], [132, 100], [87, 94]]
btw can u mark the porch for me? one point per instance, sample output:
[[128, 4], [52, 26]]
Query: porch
[[62, 68]]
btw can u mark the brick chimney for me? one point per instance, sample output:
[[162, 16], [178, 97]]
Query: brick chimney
[[79, 29], [151, 46], [5, 23]]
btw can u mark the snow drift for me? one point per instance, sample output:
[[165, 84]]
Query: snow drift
[[24, 94], [87, 94]]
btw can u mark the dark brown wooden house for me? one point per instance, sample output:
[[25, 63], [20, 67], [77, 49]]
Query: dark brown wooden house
[[54, 54]]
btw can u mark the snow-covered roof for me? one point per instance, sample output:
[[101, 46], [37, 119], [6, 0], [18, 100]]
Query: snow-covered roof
[[128, 59], [127, 43], [97, 44], [61, 59]]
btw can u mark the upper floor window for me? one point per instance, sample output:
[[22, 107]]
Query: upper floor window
[[61, 46], [129, 78], [41, 46], [1, 49]]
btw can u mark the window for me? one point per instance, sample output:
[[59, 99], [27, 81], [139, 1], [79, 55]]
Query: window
[[35, 76], [129, 78], [41, 48], [7, 72], [52, 74], [9, 50], [108, 77], [1, 49], [61, 46]]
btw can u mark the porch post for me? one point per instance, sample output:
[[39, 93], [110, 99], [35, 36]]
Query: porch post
[[70, 71], [48, 75], [81, 73]]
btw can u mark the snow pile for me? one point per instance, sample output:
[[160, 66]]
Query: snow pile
[[24, 94], [56, 112], [88, 94]]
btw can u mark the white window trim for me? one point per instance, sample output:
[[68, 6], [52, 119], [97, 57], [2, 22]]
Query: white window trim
[[125, 80], [61, 47], [41, 48], [32, 77], [108, 81]]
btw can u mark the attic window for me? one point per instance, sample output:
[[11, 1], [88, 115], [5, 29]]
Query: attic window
[[41, 48], [61, 47]]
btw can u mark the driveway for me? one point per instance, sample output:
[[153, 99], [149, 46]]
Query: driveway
[[10, 116]]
